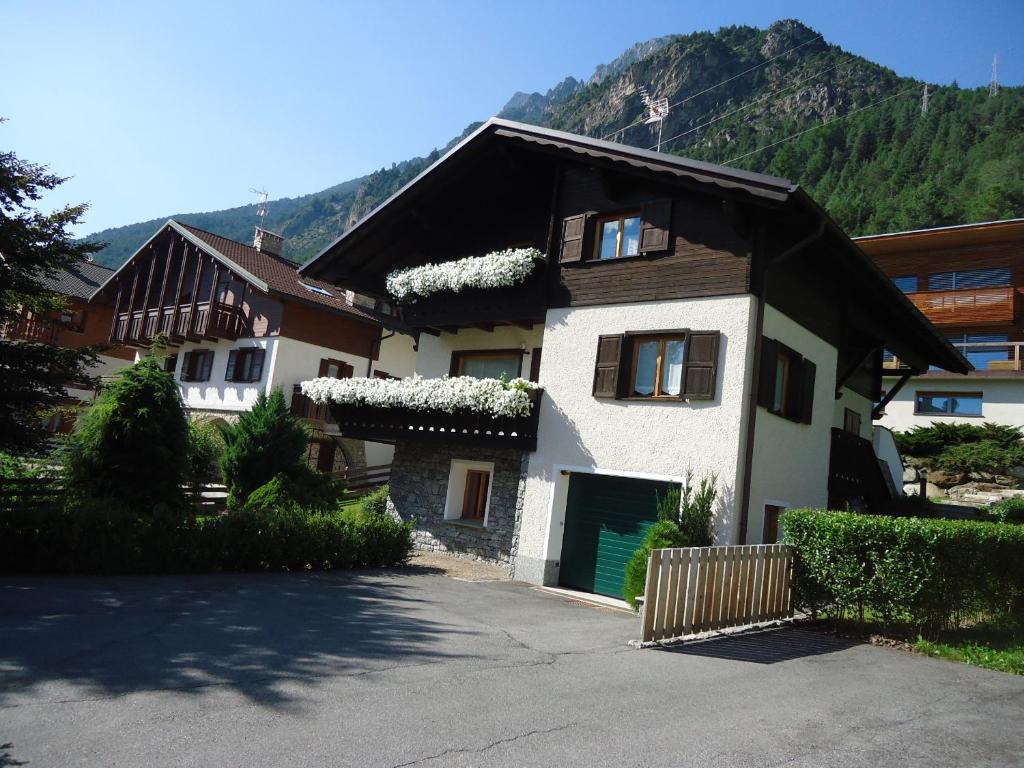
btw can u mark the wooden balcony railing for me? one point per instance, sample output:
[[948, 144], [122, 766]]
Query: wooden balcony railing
[[855, 473], [390, 424], [986, 356], [973, 306], [212, 321], [31, 329], [518, 303], [304, 408]]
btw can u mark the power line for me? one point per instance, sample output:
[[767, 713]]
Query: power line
[[821, 125], [759, 100], [716, 85]]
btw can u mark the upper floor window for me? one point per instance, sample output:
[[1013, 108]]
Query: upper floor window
[[948, 403], [657, 366], [245, 365], [335, 369], [197, 365], [971, 278], [906, 283], [619, 236], [488, 364], [786, 383]]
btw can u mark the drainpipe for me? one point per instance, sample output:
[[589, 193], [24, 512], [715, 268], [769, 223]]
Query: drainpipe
[[748, 458]]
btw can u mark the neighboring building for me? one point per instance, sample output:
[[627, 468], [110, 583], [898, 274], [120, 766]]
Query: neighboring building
[[82, 325], [240, 321], [968, 281], [687, 317]]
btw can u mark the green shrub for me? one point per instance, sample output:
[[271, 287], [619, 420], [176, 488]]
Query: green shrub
[[1009, 510], [130, 446], [985, 456], [938, 437], [661, 535], [266, 441], [375, 504], [305, 489], [205, 451], [281, 539], [918, 573]]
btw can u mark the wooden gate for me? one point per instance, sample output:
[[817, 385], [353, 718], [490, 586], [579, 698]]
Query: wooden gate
[[696, 589]]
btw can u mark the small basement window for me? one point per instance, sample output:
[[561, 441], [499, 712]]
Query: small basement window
[[469, 492], [618, 236], [948, 403]]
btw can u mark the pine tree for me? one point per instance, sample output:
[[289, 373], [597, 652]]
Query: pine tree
[[33, 246]]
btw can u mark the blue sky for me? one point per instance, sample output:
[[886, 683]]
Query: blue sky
[[161, 108]]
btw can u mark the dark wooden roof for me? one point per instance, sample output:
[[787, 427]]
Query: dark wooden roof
[[358, 253], [79, 281]]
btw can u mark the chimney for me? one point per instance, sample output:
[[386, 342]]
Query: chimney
[[269, 242]]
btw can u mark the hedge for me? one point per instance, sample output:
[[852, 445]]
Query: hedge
[[922, 573], [57, 541]]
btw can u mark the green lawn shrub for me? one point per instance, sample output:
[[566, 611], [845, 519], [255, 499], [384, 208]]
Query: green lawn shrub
[[61, 541], [924, 574], [1009, 510]]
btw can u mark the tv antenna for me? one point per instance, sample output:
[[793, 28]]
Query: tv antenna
[[261, 206], [993, 86], [924, 102], [657, 111]]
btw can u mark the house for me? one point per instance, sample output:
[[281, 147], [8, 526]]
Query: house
[[81, 325], [678, 316], [239, 321], [967, 280]]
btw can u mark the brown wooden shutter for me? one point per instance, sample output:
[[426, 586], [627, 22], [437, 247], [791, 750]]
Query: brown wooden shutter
[[324, 365], [609, 361], [185, 360], [700, 365], [205, 365], [535, 365], [655, 223], [574, 238], [807, 373], [229, 374], [345, 371], [766, 375]]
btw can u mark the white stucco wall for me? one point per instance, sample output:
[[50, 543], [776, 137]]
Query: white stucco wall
[[435, 352], [216, 394], [581, 433], [790, 460], [397, 355], [106, 366], [1002, 401]]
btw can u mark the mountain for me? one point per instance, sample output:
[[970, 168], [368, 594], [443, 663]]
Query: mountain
[[780, 100]]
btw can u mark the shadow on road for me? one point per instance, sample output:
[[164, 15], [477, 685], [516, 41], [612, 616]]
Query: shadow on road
[[257, 634], [767, 647]]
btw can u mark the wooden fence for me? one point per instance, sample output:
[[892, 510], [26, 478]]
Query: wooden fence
[[43, 494], [697, 589]]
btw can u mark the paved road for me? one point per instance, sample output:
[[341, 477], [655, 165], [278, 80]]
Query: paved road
[[413, 668]]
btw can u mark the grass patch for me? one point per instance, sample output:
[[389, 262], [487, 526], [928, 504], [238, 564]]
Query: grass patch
[[996, 645]]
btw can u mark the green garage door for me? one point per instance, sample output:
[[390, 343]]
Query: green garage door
[[606, 519]]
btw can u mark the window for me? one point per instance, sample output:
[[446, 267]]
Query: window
[[488, 364], [657, 366], [469, 492], [786, 382], [245, 365], [619, 237], [906, 283], [669, 365], [75, 322], [772, 531], [197, 365], [474, 498], [971, 278], [948, 403], [851, 421], [335, 369], [170, 364]]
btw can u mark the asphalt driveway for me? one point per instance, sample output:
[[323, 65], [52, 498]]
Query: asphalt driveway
[[411, 667]]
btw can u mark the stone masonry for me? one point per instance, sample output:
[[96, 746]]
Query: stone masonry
[[419, 486]]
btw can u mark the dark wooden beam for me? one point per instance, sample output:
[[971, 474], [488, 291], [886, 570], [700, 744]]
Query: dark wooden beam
[[149, 282], [213, 291], [117, 308], [181, 279], [131, 303], [489, 327], [449, 328], [190, 330], [879, 409], [163, 284], [526, 325]]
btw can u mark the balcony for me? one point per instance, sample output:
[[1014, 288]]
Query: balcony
[[515, 305], [212, 321], [31, 329], [304, 408], [974, 306], [988, 356], [390, 424]]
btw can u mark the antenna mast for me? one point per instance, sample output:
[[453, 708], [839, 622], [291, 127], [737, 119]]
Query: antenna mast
[[993, 86], [657, 111], [924, 102], [261, 206]]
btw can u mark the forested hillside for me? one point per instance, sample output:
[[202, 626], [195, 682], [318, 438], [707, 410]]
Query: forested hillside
[[860, 144]]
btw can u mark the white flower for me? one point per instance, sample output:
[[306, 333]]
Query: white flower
[[498, 269], [449, 394]]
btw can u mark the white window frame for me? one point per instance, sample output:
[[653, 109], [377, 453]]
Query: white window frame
[[457, 489]]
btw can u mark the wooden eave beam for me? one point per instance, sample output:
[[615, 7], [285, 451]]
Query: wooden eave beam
[[191, 330], [181, 279], [131, 302]]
